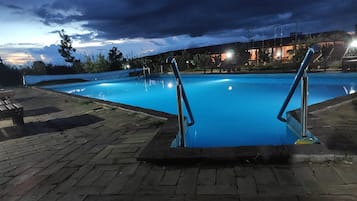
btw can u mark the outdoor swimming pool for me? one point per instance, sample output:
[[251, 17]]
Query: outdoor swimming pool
[[230, 110]]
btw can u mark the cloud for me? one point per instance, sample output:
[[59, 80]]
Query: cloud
[[141, 27], [20, 45], [50, 15], [161, 18], [10, 6]]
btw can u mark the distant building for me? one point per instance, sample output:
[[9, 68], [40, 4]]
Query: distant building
[[284, 49], [278, 49]]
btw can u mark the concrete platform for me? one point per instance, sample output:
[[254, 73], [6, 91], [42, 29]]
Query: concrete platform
[[78, 149]]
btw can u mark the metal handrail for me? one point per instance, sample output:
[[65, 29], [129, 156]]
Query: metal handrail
[[174, 67], [303, 67]]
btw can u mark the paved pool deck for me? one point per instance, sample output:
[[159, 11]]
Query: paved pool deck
[[73, 148]]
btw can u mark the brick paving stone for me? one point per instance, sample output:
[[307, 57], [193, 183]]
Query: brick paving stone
[[136, 140], [307, 179], [24, 176], [207, 176], [96, 149], [4, 179], [247, 185], [18, 169], [187, 181], [158, 198], [154, 176], [6, 170], [156, 189], [79, 153], [125, 161], [212, 198], [217, 189], [72, 197], [135, 180], [27, 185], [226, 176], [52, 197], [10, 198], [278, 190], [112, 167], [285, 176], [54, 158], [347, 173], [116, 184], [53, 168], [121, 155], [130, 149], [349, 189], [69, 149], [81, 160], [170, 177], [85, 190], [83, 170], [37, 193], [108, 198], [61, 175], [90, 177], [105, 178], [264, 175], [120, 180], [66, 185], [103, 154], [327, 198], [105, 161], [269, 198], [326, 175]]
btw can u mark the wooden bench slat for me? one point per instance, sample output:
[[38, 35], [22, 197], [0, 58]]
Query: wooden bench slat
[[7, 101], [16, 105], [2, 108], [10, 107], [13, 110]]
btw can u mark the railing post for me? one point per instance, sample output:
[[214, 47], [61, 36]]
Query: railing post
[[184, 97], [304, 106], [180, 115], [181, 96], [304, 65]]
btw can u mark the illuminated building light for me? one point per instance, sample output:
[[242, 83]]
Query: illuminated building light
[[354, 43]]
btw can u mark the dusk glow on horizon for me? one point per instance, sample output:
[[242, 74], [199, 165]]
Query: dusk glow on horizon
[[29, 28]]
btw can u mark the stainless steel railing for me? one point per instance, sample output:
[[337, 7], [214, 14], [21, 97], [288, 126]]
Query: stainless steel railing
[[301, 75], [181, 95]]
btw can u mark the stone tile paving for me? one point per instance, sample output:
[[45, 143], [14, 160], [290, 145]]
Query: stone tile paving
[[57, 156]]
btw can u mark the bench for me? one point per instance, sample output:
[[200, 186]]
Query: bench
[[13, 110]]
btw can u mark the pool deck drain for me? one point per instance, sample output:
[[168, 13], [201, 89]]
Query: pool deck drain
[[78, 149]]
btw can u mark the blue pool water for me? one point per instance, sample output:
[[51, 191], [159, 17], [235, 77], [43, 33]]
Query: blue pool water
[[230, 110]]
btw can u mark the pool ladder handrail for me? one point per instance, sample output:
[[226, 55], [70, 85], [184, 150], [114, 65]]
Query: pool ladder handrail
[[299, 75], [179, 85]]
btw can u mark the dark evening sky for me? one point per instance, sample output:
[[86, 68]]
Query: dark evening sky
[[29, 28]]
